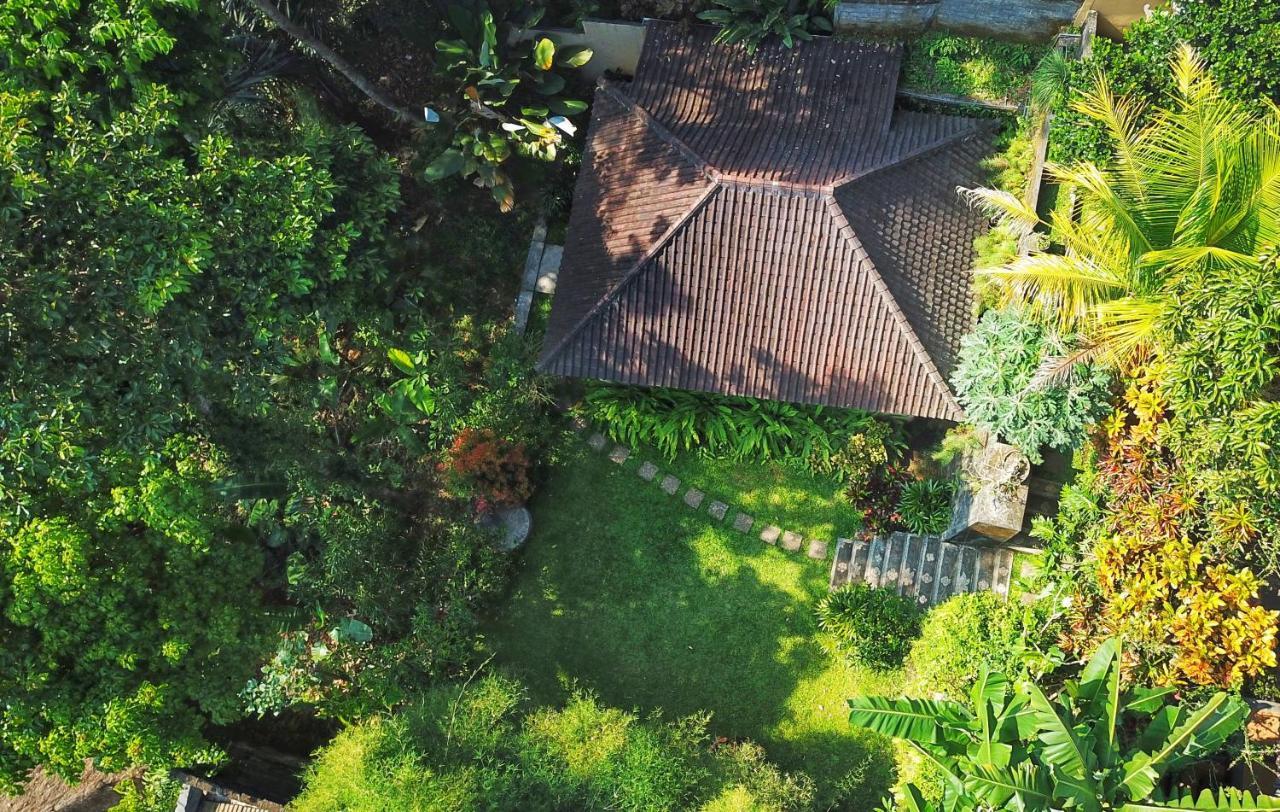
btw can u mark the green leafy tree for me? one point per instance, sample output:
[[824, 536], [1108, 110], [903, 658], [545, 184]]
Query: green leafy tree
[[1195, 190], [1094, 745], [510, 99]]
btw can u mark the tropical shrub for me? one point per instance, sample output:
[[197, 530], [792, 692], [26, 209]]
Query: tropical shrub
[[816, 438], [492, 469], [1236, 37], [473, 746], [1094, 745], [961, 637], [877, 500], [996, 380], [508, 94], [1143, 220], [748, 23], [1164, 569], [870, 626], [986, 69], [925, 505], [155, 791]]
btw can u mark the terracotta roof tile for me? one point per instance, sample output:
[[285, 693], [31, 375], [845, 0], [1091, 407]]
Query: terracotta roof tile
[[769, 226]]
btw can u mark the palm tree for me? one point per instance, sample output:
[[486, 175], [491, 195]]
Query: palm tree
[[1196, 189]]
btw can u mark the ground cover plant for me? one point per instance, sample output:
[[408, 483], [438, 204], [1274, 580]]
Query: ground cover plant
[[817, 439], [626, 591], [983, 69], [480, 745]]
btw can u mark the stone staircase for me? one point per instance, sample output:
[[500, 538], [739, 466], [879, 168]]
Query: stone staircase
[[923, 568]]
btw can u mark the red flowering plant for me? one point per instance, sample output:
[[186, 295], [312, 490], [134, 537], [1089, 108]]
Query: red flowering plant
[[493, 470]]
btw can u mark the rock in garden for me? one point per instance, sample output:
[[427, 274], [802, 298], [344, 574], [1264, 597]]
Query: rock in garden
[[791, 541], [693, 498], [770, 534], [742, 522], [647, 471], [670, 484], [718, 510]]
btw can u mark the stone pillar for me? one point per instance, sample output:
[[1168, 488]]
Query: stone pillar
[[992, 498]]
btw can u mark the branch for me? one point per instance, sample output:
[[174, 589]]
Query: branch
[[313, 43]]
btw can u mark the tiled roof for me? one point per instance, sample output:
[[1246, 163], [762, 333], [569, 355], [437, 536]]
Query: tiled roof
[[769, 226]]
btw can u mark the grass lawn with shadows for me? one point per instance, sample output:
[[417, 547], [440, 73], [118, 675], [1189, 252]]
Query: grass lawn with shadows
[[771, 492], [628, 592]]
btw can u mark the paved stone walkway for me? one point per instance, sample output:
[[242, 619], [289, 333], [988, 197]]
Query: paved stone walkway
[[924, 568]]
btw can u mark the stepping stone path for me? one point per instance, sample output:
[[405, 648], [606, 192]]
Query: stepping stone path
[[791, 541], [742, 522], [923, 568]]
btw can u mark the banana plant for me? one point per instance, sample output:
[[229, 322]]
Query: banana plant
[[509, 88], [1093, 746]]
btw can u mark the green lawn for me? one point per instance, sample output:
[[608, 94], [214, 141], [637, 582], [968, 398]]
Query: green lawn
[[628, 592], [772, 494]]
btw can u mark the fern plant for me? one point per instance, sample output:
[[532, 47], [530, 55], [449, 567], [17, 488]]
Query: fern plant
[[813, 438], [1093, 746]]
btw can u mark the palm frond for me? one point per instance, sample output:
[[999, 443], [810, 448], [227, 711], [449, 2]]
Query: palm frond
[[1056, 370], [1006, 207]]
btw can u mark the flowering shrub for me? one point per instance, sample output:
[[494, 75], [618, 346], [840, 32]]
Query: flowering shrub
[[494, 470], [1163, 578]]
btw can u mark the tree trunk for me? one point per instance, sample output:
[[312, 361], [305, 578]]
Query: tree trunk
[[362, 82], [1026, 20]]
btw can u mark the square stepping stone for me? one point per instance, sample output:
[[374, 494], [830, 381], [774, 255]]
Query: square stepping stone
[[770, 534], [619, 454], [742, 522], [670, 484], [693, 498], [718, 510], [817, 549], [647, 471], [597, 442], [791, 541]]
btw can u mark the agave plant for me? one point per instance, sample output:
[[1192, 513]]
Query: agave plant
[[511, 98], [749, 22], [1094, 746], [1197, 190]]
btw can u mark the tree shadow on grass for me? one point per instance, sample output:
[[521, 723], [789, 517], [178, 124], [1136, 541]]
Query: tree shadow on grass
[[627, 592]]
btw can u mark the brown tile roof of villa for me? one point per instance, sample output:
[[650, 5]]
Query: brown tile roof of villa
[[771, 226]]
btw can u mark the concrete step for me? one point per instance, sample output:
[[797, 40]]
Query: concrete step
[[923, 568]]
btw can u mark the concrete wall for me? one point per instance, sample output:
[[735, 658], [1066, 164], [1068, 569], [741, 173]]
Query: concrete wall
[[616, 44]]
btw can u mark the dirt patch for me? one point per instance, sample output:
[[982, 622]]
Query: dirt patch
[[48, 793]]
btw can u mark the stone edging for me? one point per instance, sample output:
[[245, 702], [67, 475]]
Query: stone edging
[[741, 521]]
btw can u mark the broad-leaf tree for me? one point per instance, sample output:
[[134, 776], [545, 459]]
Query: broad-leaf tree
[[1094, 745]]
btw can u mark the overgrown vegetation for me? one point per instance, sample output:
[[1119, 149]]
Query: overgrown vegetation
[[1095, 744], [219, 481], [984, 69], [477, 745]]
